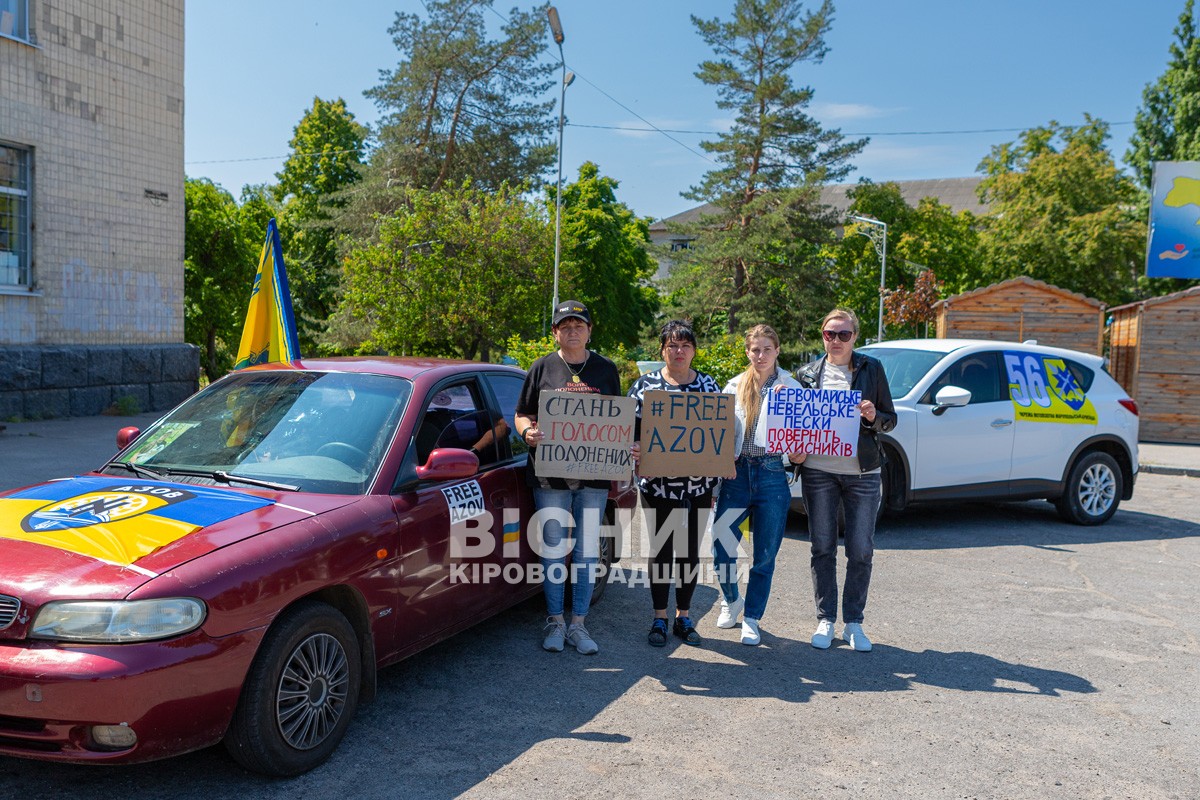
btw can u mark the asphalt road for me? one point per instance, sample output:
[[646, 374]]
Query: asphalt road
[[1016, 657]]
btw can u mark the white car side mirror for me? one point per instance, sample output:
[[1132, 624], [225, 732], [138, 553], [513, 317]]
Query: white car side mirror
[[950, 397]]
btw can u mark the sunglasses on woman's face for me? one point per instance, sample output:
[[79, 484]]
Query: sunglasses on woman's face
[[842, 336]]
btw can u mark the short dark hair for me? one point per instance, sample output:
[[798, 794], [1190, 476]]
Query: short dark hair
[[679, 330]]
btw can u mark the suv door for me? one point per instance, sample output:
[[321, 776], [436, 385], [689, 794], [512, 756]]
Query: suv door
[[1056, 414], [970, 445]]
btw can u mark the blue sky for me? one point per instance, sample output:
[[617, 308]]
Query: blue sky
[[895, 67]]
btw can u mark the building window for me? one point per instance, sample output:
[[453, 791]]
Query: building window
[[14, 18], [14, 215], [680, 244]]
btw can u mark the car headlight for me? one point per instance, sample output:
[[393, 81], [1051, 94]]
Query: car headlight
[[117, 621]]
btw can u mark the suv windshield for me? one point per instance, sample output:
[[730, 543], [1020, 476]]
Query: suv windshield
[[904, 368], [316, 431]]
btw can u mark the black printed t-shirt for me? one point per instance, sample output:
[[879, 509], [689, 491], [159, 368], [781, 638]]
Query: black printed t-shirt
[[598, 376], [672, 488]]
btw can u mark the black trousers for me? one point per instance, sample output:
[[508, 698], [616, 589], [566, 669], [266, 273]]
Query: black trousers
[[674, 528]]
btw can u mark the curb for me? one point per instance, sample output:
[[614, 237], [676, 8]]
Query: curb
[[1159, 469]]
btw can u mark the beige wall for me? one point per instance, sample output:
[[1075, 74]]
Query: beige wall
[[99, 98]]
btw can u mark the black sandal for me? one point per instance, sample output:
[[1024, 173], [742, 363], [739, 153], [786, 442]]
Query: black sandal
[[658, 632], [684, 629]]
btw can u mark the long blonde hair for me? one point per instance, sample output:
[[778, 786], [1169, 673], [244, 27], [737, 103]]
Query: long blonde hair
[[749, 387]]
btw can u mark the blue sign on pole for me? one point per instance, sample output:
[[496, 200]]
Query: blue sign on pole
[[1173, 250]]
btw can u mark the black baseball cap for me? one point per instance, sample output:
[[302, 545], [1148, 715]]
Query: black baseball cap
[[571, 308]]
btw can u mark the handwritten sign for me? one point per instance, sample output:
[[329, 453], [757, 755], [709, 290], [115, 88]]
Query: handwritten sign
[[813, 421], [588, 436], [687, 434]]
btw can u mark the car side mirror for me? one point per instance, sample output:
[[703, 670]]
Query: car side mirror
[[950, 397], [448, 464], [125, 436]]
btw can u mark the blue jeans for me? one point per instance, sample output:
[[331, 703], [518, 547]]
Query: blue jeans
[[858, 495], [760, 488], [586, 507]]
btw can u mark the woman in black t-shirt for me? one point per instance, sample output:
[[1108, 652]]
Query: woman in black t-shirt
[[572, 368]]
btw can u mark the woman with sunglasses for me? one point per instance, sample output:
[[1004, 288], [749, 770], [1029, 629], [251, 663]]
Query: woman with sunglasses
[[850, 482], [759, 486]]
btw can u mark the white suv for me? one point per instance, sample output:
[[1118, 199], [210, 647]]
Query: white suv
[[1003, 421]]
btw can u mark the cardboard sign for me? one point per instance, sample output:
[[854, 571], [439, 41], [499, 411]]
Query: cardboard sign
[[588, 436], [813, 421], [687, 434]]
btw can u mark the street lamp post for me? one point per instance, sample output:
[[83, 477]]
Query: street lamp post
[[878, 236], [567, 77]]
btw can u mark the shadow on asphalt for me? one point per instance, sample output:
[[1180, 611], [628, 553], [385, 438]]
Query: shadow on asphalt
[[1032, 524], [446, 719]]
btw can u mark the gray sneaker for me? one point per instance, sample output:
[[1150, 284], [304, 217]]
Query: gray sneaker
[[556, 632], [581, 640]]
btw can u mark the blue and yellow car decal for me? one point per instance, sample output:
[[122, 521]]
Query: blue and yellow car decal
[[1043, 389], [114, 520]]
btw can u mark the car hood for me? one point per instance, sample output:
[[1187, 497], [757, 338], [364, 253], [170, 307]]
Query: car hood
[[99, 536]]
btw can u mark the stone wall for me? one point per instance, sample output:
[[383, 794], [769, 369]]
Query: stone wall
[[39, 382]]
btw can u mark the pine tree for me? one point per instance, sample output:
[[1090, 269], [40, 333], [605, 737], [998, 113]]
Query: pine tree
[[757, 257]]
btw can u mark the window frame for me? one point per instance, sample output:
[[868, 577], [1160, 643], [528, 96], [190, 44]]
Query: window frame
[[20, 12], [22, 253]]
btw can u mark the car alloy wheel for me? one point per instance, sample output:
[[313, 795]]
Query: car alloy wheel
[[300, 694], [1093, 490], [312, 691]]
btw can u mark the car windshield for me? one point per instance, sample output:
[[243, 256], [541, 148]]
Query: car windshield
[[313, 431], [904, 368]]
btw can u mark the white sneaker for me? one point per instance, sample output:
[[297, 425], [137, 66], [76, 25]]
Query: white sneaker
[[730, 612], [556, 632], [579, 638], [823, 636], [854, 636], [750, 634]]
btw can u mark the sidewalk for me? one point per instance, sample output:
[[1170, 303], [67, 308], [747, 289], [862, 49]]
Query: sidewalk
[[1169, 459]]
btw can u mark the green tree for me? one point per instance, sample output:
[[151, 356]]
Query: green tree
[[604, 258], [759, 254], [1062, 212], [929, 237], [1167, 126], [453, 272], [326, 157], [220, 257], [461, 106]]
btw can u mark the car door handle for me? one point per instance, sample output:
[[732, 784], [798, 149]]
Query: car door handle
[[1001, 423]]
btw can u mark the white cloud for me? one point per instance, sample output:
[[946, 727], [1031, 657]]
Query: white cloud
[[843, 112], [637, 129]]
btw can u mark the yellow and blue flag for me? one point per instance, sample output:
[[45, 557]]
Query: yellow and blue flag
[[270, 331]]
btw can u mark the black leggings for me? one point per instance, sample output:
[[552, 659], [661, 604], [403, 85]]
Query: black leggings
[[673, 550]]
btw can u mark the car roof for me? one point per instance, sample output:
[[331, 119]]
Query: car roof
[[952, 345], [401, 367]]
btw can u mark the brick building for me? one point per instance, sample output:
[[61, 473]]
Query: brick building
[[91, 206]]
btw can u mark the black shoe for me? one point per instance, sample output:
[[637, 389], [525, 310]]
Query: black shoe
[[685, 630], [658, 632]]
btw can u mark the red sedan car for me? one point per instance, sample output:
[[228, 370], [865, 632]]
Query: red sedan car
[[242, 569]]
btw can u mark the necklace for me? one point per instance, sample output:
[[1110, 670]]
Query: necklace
[[575, 372]]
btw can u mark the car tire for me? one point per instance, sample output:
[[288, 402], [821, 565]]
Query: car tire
[[1093, 490], [300, 695]]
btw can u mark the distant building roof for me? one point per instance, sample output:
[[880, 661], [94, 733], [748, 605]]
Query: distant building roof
[[1021, 280], [958, 193]]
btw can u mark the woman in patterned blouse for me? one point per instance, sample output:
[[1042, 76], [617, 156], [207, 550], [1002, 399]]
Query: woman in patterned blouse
[[670, 545]]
